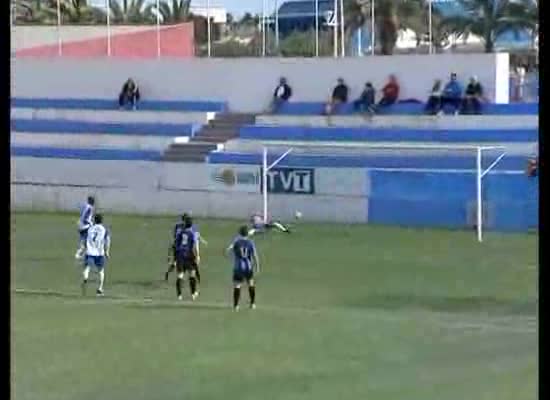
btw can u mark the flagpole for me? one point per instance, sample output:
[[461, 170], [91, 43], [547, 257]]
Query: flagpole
[[342, 29], [277, 24], [372, 28], [158, 28], [208, 28], [108, 11], [59, 42], [335, 11], [316, 28], [264, 5], [430, 27]]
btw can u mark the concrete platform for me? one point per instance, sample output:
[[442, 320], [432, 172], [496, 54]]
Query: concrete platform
[[505, 122], [113, 116]]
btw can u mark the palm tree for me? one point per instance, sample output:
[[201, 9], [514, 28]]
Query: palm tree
[[390, 17], [35, 11], [489, 18], [131, 11], [78, 11], [178, 11]]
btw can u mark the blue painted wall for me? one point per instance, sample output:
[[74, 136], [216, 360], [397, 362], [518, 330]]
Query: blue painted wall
[[433, 199], [387, 134]]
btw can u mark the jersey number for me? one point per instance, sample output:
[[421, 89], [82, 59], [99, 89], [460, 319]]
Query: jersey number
[[243, 252]]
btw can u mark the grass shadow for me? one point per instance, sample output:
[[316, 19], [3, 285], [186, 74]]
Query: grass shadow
[[472, 304]]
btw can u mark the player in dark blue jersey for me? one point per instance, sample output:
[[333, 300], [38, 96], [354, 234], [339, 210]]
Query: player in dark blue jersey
[[187, 258], [172, 248], [245, 264]]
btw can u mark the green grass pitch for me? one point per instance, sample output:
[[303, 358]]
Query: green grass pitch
[[346, 312]]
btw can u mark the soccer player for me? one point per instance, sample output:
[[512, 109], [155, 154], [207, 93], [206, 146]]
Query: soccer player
[[245, 263], [259, 226], [187, 258], [84, 223], [172, 247], [98, 244]]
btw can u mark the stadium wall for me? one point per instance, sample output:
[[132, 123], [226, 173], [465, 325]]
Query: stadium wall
[[444, 199], [247, 83]]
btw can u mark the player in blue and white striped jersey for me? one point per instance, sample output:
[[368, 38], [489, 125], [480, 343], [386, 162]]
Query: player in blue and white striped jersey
[[84, 223], [98, 245]]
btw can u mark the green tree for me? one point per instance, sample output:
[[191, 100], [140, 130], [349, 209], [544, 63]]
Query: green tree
[[488, 18], [131, 11]]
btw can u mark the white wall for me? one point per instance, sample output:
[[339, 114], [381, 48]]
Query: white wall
[[171, 188], [247, 83]]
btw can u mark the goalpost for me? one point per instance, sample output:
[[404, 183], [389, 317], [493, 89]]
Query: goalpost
[[351, 148]]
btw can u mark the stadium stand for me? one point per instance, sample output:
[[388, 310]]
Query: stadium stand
[[403, 108]]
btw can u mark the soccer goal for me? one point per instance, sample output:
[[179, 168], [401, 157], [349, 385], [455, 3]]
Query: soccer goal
[[486, 159]]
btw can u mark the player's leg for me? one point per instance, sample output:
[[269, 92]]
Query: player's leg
[[251, 289], [82, 236], [179, 279], [171, 264], [85, 274], [100, 265], [192, 279], [237, 282], [281, 227]]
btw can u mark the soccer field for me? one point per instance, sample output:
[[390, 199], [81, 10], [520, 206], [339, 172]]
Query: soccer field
[[346, 312]]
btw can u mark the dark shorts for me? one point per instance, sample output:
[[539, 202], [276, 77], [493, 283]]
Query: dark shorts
[[186, 263], [83, 234], [95, 261], [242, 275]]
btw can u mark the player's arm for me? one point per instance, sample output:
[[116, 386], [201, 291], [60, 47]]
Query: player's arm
[[107, 245], [228, 249], [256, 260], [203, 241], [196, 251]]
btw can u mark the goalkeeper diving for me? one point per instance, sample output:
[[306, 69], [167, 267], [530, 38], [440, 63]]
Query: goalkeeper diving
[[258, 225]]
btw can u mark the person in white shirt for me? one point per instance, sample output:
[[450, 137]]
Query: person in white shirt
[[98, 244]]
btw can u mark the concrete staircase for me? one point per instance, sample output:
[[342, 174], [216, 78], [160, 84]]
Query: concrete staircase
[[218, 131]]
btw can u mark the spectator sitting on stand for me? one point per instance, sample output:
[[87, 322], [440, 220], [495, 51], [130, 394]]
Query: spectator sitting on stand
[[281, 95], [366, 101], [129, 94], [434, 101], [452, 94], [471, 103], [390, 92], [533, 167], [339, 96]]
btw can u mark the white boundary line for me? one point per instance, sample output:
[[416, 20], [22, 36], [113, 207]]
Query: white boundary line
[[522, 324]]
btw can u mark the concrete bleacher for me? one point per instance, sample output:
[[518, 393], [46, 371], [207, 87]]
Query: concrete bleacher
[[479, 122], [112, 116], [403, 108], [112, 104], [300, 133]]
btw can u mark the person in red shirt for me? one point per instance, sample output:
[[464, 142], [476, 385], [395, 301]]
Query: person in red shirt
[[390, 92]]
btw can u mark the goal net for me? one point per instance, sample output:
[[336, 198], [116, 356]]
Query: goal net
[[464, 163]]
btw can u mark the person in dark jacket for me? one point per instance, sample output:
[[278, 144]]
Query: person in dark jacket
[[281, 94], [434, 101], [452, 94], [339, 96], [473, 96], [129, 94], [366, 101]]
